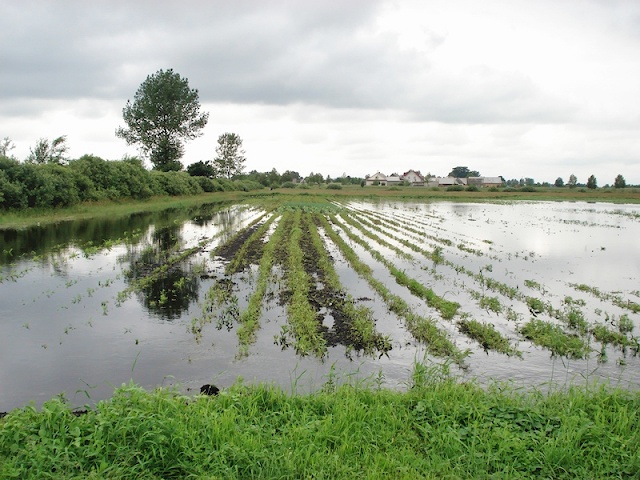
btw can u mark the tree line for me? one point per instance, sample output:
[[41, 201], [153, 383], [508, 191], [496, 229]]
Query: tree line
[[91, 178]]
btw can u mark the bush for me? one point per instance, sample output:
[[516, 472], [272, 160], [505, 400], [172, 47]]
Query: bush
[[510, 189], [304, 186], [206, 184], [494, 189], [289, 185], [334, 186], [472, 188], [455, 188], [175, 183]]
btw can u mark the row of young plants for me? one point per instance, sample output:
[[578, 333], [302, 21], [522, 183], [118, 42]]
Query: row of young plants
[[549, 335], [358, 320], [295, 246], [485, 334], [423, 329]]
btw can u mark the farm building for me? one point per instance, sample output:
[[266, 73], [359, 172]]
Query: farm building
[[449, 181]]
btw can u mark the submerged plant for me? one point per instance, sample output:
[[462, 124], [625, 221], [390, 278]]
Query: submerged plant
[[553, 338]]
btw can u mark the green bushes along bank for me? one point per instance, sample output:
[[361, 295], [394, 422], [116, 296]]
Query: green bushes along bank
[[90, 178]]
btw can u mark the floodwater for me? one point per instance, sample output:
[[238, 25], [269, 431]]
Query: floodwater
[[66, 325]]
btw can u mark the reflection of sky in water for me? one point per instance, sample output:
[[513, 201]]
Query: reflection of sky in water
[[576, 242]]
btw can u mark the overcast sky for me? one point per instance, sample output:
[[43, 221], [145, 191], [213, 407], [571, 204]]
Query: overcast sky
[[518, 88]]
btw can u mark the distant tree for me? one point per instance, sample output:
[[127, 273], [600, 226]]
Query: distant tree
[[230, 158], [45, 152], [164, 114], [559, 182], [290, 176], [529, 182], [201, 169], [273, 177], [314, 178], [573, 181], [6, 145], [463, 172], [619, 182], [592, 182]]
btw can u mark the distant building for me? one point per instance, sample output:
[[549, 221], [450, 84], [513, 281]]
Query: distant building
[[450, 181], [414, 178], [485, 181], [377, 179]]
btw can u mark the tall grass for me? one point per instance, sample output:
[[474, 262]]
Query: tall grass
[[437, 429]]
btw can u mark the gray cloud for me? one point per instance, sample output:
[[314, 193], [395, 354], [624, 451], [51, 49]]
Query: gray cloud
[[278, 53]]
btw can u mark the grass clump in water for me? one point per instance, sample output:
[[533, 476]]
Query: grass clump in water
[[552, 337], [487, 336]]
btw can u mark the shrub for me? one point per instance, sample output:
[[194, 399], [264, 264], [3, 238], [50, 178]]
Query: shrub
[[455, 188], [334, 186], [289, 185], [472, 188], [494, 189], [175, 183], [528, 188], [206, 184]]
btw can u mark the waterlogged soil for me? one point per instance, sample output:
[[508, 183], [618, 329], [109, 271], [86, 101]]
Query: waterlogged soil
[[92, 304]]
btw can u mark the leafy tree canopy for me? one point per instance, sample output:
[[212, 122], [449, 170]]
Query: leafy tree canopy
[[573, 181], [230, 158], [463, 172], [619, 182], [164, 114], [592, 182], [45, 152], [201, 169], [559, 182]]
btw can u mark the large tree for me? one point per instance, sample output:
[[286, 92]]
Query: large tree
[[592, 183], [573, 181], [620, 182], [463, 172], [229, 159], [164, 114]]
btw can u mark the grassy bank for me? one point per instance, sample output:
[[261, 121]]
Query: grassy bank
[[31, 216], [437, 429], [107, 208]]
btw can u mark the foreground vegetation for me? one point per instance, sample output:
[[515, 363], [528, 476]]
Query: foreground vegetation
[[438, 428]]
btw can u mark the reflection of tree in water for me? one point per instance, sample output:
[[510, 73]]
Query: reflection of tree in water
[[169, 293]]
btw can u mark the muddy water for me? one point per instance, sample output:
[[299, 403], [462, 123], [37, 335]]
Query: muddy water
[[66, 327]]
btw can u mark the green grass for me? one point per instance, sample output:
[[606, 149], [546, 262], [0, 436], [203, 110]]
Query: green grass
[[487, 336], [437, 429], [553, 338]]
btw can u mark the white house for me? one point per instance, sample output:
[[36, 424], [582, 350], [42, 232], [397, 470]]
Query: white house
[[414, 178], [377, 179]]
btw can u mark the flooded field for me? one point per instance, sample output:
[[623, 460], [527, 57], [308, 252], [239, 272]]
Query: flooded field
[[300, 294]]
